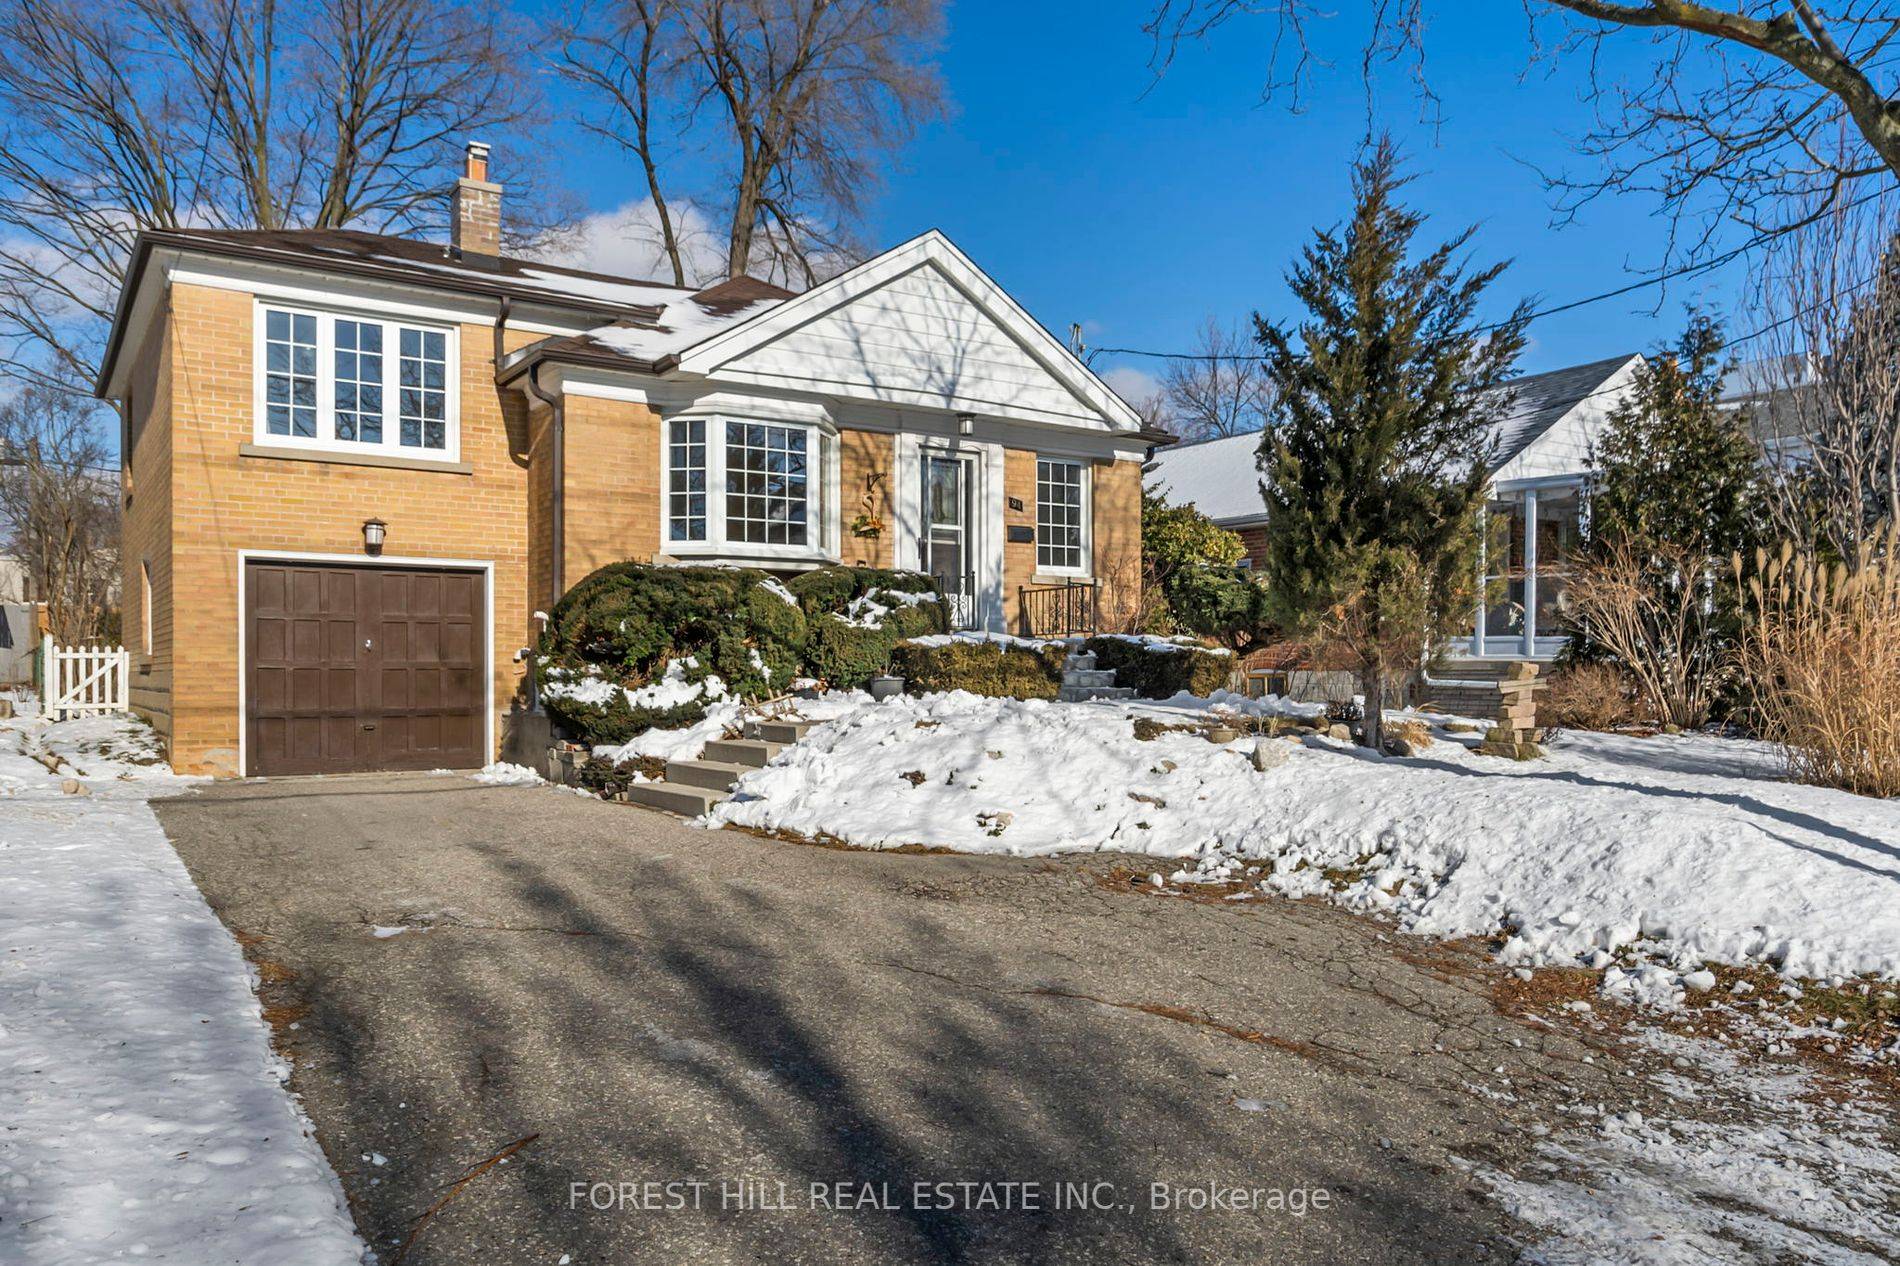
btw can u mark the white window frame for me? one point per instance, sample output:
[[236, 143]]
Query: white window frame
[[821, 497], [325, 439], [1086, 486], [145, 606]]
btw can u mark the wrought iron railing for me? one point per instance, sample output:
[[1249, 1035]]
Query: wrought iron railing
[[1065, 610], [959, 597]]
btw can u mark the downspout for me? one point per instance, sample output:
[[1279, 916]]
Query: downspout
[[557, 507]]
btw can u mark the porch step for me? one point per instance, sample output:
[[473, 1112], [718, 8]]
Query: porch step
[[704, 773], [752, 753], [1080, 662], [1088, 677], [1082, 694], [688, 802], [777, 731]]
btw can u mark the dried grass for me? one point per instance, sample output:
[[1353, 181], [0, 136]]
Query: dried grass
[[1820, 654], [1589, 697]]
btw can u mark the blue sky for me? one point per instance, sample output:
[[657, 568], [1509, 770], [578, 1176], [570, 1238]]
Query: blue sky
[[1096, 195]]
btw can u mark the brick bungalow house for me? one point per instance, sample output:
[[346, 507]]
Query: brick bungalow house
[[356, 466], [1538, 475]]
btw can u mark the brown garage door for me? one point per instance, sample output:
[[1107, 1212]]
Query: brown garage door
[[362, 667]]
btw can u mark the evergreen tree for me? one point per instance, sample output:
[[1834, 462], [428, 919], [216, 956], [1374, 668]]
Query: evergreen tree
[[1673, 467], [1376, 463]]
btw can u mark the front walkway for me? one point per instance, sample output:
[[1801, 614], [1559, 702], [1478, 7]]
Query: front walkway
[[142, 1113]]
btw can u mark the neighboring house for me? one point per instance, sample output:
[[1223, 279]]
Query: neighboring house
[[357, 466], [1537, 484]]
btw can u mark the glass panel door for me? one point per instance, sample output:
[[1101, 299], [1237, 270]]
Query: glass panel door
[[1504, 582], [946, 538]]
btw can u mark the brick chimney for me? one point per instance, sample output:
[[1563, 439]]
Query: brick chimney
[[475, 220]]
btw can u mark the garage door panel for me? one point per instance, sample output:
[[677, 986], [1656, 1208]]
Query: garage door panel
[[361, 667]]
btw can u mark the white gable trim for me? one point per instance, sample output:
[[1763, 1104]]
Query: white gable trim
[[712, 357], [1561, 452]]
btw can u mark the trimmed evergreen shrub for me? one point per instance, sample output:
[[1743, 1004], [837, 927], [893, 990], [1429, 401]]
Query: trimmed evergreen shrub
[[1006, 670], [624, 624], [1156, 673]]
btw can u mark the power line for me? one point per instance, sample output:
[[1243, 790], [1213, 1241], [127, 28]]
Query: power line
[[1728, 256]]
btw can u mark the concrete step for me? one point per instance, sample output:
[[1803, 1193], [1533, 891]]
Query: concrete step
[[777, 731], [1082, 662], [752, 753], [704, 773], [1088, 677], [688, 802], [1082, 694]]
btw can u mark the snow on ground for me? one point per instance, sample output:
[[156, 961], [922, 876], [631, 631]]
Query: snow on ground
[[1799, 1180], [142, 1111], [1684, 848]]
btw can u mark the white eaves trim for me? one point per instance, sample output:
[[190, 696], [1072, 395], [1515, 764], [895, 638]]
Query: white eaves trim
[[714, 354]]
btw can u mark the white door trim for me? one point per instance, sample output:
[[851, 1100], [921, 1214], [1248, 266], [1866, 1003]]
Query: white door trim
[[986, 547], [485, 566]]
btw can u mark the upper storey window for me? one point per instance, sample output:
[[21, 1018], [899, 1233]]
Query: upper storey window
[[356, 384]]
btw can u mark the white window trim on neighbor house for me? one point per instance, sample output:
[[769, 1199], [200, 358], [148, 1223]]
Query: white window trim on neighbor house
[[1083, 568], [325, 440], [822, 466]]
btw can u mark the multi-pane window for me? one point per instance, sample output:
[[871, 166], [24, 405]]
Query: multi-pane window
[[425, 392], [290, 374], [359, 381], [765, 483], [686, 479], [1060, 515], [351, 383]]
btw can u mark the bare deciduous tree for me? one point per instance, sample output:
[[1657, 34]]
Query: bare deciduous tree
[[807, 99], [1828, 390], [1223, 391], [59, 507], [128, 114], [1758, 111]]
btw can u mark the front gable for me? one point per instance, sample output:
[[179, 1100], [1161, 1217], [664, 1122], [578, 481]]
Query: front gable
[[919, 326]]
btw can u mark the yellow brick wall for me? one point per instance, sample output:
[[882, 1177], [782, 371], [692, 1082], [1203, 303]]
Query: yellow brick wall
[[145, 525], [223, 501], [867, 463], [1115, 529], [1115, 518], [613, 484]]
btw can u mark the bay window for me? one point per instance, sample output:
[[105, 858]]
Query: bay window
[[356, 384], [1061, 516], [744, 487]]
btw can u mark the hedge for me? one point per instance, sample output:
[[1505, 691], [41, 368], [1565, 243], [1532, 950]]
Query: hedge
[[1009, 670], [1159, 671], [623, 625]]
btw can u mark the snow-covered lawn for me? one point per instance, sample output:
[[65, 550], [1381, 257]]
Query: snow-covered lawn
[[142, 1111], [1648, 856]]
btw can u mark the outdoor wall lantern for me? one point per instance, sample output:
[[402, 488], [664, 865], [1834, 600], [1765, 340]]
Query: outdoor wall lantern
[[966, 423], [373, 532]]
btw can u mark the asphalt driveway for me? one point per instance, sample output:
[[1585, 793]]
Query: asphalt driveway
[[457, 968]]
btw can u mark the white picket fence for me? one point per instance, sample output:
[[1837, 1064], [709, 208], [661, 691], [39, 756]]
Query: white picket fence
[[82, 679]]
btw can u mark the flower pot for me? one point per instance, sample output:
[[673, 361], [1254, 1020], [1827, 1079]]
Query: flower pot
[[886, 687]]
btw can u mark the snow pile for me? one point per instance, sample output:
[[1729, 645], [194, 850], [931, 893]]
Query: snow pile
[[1150, 642], [1794, 1182], [1684, 848], [145, 1113], [504, 774], [669, 690], [1001, 639], [726, 720], [870, 609]]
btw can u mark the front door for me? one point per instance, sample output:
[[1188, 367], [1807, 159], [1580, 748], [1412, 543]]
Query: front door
[[948, 544]]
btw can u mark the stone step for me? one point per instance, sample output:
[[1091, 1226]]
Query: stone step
[[704, 773], [1088, 677], [752, 753], [689, 802], [1082, 694], [777, 731], [1082, 661]]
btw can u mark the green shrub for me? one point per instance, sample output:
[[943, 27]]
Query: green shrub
[[1010, 670], [624, 624], [1156, 673]]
